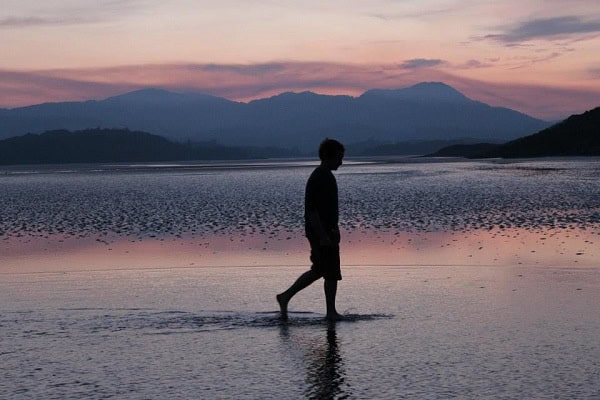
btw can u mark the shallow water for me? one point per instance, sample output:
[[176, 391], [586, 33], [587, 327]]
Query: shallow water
[[401, 213], [436, 332], [461, 279], [389, 197]]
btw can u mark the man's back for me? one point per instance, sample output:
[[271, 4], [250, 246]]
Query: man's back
[[321, 196]]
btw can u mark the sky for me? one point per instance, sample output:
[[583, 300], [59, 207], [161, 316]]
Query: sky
[[540, 57]]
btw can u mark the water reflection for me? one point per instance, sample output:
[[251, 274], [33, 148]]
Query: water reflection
[[508, 247], [320, 356]]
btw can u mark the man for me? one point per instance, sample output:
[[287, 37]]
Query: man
[[322, 231]]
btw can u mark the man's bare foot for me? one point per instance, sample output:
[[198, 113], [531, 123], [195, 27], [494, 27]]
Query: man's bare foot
[[334, 317], [282, 307]]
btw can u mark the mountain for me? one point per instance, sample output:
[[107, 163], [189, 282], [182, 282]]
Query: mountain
[[174, 115], [426, 111], [423, 92], [578, 135], [116, 145], [465, 150]]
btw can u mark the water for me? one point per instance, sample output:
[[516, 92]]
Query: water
[[461, 280], [435, 332], [204, 200]]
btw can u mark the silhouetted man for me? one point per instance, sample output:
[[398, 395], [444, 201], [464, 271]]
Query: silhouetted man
[[322, 231]]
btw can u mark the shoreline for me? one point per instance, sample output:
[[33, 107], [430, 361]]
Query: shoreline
[[269, 163]]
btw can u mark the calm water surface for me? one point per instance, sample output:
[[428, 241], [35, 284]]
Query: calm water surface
[[413, 332]]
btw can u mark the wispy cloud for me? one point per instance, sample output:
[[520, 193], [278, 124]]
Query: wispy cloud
[[245, 82], [473, 64], [421, 63], [547, 28], [24, 22], [254, 69], [594, 73], [422, 11], [87, 12], [411, 15], [26, 88]]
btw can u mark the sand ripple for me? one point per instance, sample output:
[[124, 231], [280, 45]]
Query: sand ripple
[[268, 202]]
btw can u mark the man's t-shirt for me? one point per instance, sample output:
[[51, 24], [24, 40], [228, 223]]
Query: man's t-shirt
[[322, 196]]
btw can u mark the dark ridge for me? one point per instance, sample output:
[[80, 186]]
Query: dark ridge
[[578, 135], [464, 150], [413, 147], [118, 145]]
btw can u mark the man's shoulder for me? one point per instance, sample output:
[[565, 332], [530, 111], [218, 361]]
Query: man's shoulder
[[321, 173]]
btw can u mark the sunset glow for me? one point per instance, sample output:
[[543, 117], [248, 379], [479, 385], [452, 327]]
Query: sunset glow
[[538, 57]]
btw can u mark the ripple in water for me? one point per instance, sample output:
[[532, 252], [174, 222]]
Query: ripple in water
[[268, 202]]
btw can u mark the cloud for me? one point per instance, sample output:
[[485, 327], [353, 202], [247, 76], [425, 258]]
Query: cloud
[[244, 82], [87, 12], [26, 88], [594, 73], [255, 69], [548, 29], [421, 63], [473, 64], [422, 12], [24, 22]]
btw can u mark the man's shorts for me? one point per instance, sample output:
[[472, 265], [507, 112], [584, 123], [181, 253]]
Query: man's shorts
[[326, 261]]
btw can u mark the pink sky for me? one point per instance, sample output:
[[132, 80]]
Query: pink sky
[[538, 57]]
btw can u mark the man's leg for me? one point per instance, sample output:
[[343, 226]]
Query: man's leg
[[303, 281], [330, 293]]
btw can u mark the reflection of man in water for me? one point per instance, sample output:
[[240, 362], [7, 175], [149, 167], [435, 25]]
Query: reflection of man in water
[[327, 374], [325, 371], [321, 225]]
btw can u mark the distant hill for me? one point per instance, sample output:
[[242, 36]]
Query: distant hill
[[117, 145], [416, 147], [426, 111], [578, 135], [465, 150], [421, 92]]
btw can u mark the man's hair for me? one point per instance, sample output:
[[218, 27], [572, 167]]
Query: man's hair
[[329, 149]]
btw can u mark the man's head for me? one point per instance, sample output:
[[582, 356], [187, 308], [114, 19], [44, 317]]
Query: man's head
[[331, 153]]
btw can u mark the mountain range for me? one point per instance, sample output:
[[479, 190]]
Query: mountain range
[[578, 135], [426, 111]]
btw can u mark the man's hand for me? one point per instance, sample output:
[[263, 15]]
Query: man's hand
[[317, 227], [325, 240]]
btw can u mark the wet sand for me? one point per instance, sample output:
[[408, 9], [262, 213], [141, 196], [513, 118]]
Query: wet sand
[[508, 247]]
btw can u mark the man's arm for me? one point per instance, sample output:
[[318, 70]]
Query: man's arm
[[317, 227]]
